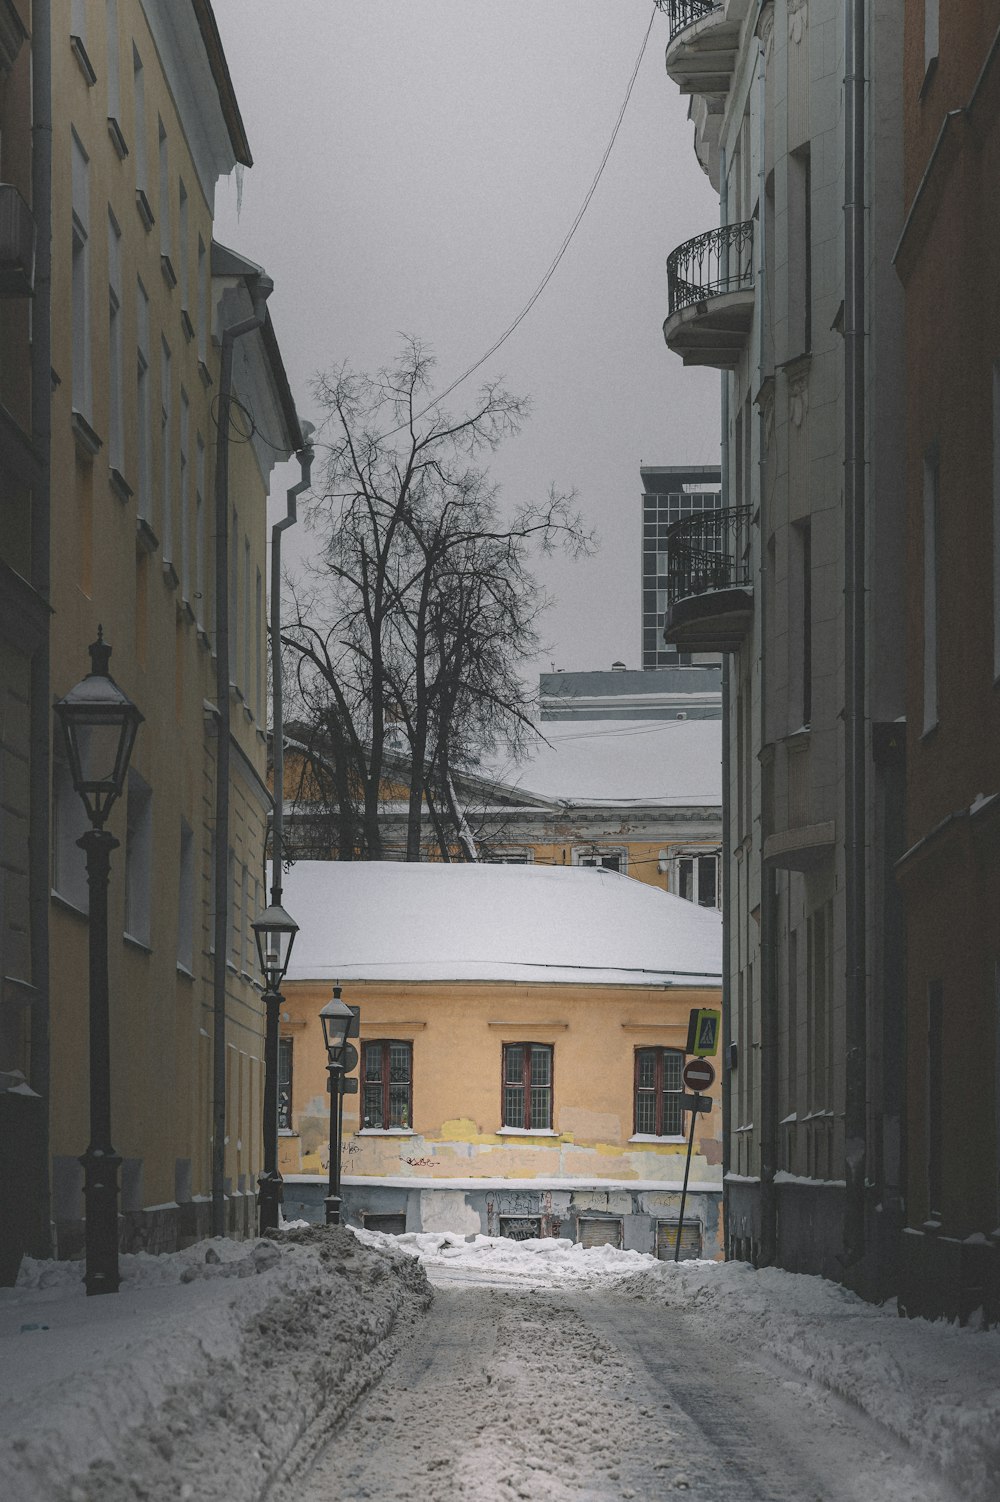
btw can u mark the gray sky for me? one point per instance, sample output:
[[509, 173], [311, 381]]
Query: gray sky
[[417, 165]]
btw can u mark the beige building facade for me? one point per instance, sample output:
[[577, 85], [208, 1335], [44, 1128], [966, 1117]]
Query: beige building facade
[[158, 536], [522, 1036]]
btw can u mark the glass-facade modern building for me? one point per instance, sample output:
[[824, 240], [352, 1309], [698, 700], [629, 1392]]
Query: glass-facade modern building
[[669, 492]]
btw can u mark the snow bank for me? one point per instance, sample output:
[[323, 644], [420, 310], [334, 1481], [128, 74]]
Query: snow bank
[[204, 1372], [544, 1262], [934, 1385]]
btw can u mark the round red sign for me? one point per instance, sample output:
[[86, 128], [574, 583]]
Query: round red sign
[[698, 1074]]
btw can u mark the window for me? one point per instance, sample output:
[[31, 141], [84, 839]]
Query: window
[[800, 252], [658, 1092], [202, 300], [666, 1240], [116, 395], [931, 486], [114, 63], [200, 533], [611, 860], [387, 1070], [185, 901], [166, 455], [183, 499], [138, 858], [69, 870], [510, 858], [145, 465], [819, 988], [696, 877], [931, 32], [599, 1231], [165, 246], [82, 387], [527, 1086], [935, 1100], [141, 156], [996, 521], [284, 1084], [805, 567], [521, 1227], [182, 253]]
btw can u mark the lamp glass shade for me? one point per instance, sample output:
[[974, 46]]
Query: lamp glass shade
[[275, 933], [336, 1018], [99, 725]]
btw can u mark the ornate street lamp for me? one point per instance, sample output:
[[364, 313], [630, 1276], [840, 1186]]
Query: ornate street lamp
[[275, 933], [99, 724], [338, 1022]]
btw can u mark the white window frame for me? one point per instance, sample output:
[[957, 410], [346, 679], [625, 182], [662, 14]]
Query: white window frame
[[594, 855], [677, 856]]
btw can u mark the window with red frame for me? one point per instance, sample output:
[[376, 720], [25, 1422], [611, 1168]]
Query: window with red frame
[[527, 1086], [658, 1092], [387, 1074]]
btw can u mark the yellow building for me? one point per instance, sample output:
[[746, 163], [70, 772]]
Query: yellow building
[[144, 123], [522, 1039], [638, 796]]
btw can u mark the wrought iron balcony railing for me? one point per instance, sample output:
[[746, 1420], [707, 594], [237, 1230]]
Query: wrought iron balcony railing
[[684, 13], [711, 264], [708, 551]]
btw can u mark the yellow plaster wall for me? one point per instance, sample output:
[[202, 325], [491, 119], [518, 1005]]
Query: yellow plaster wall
[[162, 637], [457, 1031]]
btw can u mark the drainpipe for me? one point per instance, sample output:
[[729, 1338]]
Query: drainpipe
[[41, 523], [305, 458], [768, 1249], [726, 1082], [260, 292], [855, 791]]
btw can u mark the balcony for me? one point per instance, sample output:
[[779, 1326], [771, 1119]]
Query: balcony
[[709, 585], [17, 244], [703, 45], [710, 293]]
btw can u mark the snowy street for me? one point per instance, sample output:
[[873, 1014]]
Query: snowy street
[[318, 1367], [505, 1394]]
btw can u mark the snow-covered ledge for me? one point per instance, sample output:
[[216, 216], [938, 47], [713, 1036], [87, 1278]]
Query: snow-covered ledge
[[651, 1137], [385, 1132], [508, 1131]]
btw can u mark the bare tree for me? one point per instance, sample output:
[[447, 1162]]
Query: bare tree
[[421, 608]]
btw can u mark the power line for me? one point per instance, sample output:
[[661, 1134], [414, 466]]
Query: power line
[[559, 253]]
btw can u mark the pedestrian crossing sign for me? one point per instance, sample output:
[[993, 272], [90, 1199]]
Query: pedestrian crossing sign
[[703, 1032]]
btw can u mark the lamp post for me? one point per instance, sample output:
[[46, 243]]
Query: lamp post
[[338, 1021], [99, 724], [275, 933]]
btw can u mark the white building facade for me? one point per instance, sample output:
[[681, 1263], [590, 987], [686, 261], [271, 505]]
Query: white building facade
[[797, 116]]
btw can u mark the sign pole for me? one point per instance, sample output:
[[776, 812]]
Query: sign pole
[[687, 1171]]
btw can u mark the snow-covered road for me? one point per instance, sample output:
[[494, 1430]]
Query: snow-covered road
[[315, 1367], [550, 1395]]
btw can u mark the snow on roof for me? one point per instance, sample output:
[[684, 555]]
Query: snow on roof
[[670, 762], [387, 920]]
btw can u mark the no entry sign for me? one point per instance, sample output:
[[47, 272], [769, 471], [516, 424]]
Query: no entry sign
[[698, 1074]]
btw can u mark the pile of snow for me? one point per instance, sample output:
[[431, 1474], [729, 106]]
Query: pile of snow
[[202, 1375], [541, 1262], [934, 1385]]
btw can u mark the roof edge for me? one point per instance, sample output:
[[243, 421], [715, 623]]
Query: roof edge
[[208, 26]]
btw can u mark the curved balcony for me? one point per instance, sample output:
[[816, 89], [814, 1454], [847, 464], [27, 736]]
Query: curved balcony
[[709, 585], [710, 294], [704, 39]]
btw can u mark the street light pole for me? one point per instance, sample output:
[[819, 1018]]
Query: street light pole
[[99, 724], [100, 1161], [275, 933], [339, 1023], [335, 1073]]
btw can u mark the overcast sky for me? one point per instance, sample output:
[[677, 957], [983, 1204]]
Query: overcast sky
[[417, 164]]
